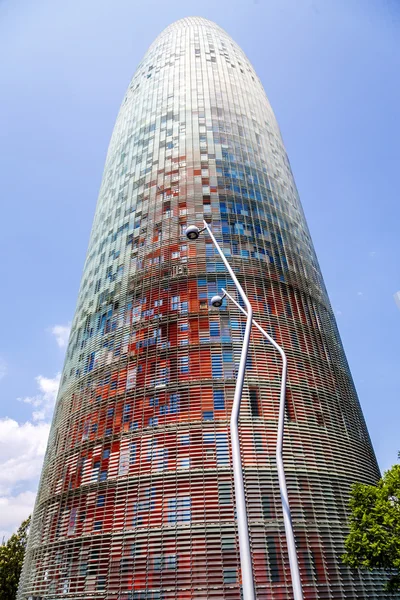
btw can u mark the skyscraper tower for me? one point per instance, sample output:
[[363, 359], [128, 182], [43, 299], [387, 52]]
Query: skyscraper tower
[[136, 497]]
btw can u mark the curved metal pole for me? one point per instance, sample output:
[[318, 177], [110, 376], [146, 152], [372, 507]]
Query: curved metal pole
[[287, 518], [240, 500]]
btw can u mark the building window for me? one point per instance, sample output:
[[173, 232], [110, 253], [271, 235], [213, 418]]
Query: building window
[[219, 400], [184, 364], [289, 407], [214, 329], [208, 438], [254, 406], [175, 302], [179, 509], [210, 454], [173, 403], [101, 583], [162, 375], [224, 493], [124, 565], [222, 449], [225, 331], [266, 507], [208, 415], [258, 444], [228, 363], [135, 549], [101, 500], [106, 453], [273, 559], [132, 454], [310, 567], [184, 439], [123, 466], [151, 449], [227, 542], [103, 476], [171, 562], [95, 472], [229, 575], [184, 462], [98, 525], [216, 365]]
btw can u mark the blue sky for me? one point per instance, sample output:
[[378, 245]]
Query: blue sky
[[331, 71]]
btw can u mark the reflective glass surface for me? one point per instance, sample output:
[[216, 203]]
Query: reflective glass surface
[[136, 499]]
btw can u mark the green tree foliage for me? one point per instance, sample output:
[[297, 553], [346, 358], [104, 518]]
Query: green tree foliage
[[11, 557], [374, 538]]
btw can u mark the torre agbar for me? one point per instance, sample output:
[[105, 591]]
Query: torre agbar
[[136, 499]]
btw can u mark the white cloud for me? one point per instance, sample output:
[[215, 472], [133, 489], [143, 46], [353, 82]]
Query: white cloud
[[360, 293], [44, 401], [372, 254], [61, 333], [14, 510], [22, 448]]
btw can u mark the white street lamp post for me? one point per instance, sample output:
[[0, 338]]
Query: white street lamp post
[[291, 544], [192, 233]]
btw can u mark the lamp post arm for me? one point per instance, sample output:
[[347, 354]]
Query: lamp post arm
[[240, 499], [287, 518]]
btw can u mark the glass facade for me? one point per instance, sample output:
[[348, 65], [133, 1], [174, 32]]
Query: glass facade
[[136, 499]]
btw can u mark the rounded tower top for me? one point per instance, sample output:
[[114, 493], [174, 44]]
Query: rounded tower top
[[193, 23]]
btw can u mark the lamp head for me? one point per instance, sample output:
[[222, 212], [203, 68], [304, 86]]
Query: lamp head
[[192, 233], [216, 301]]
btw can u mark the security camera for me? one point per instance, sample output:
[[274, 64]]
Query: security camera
[[216, 301], [192, 232]]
